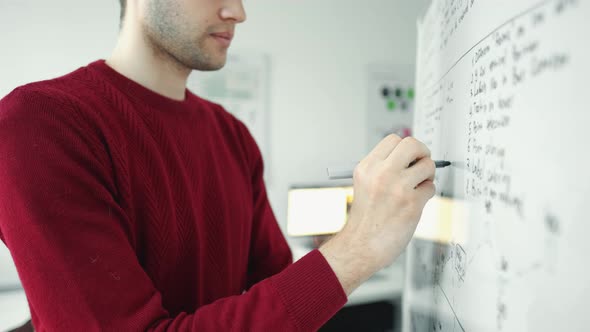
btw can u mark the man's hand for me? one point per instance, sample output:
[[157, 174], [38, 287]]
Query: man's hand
[[389, 197]]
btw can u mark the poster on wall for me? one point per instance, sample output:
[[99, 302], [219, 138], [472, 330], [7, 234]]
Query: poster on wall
[[390, 103], [242, 88]]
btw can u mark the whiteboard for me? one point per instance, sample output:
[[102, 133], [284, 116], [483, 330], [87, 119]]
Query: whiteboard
[[502, 93]]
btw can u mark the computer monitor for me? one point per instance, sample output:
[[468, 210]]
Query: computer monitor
[[317, 210]]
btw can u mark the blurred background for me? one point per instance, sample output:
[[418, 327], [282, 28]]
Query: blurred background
[[314, 80]]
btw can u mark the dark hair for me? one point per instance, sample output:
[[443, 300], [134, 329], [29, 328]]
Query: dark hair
[[123, 6]]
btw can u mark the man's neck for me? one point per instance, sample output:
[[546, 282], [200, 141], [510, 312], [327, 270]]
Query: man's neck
[[154, 69]]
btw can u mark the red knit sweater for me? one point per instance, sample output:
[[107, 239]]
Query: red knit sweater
[[125, 210]]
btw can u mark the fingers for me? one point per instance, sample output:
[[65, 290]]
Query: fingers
[[406, 152], [426, 190], [424, 169], [383, 149]]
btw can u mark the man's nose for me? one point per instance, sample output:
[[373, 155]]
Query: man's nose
[[233, 10]]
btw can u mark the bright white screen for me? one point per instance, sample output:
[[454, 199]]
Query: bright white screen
[[316, 211]]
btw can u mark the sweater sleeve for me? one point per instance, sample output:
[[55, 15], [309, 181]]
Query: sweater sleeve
[[69, 239]]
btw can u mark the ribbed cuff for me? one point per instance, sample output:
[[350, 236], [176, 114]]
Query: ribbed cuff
[[311, 291]]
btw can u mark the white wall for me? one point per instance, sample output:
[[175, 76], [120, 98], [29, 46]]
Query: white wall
[[319, 52], [43, 39]]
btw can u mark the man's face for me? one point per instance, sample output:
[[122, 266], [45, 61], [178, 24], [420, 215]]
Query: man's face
[[196, 33]]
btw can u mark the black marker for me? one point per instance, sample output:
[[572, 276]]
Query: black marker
[[441, 163], [335, 173]]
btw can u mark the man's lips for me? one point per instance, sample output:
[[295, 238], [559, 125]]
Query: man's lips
[[224, 35], [224, 38]]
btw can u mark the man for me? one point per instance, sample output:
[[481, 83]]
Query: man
[[130, 204]]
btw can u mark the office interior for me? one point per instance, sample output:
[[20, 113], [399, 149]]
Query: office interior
[[319, 57]]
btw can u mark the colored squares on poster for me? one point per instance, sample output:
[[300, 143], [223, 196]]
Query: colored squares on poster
[[397, 98], [391, 105]]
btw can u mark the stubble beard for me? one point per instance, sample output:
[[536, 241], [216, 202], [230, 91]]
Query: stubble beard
[[170, 39]]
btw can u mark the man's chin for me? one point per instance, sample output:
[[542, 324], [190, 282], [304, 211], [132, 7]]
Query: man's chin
[[213, 63], [212, 67]]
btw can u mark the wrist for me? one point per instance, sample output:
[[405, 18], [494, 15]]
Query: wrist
[[350, 259]]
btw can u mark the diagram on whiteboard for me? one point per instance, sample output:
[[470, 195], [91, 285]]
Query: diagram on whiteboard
[[500, 93]]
